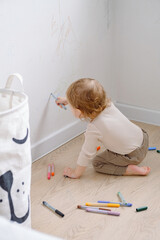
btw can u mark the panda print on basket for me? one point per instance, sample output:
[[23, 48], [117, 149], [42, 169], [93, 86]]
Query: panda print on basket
[[15, 153], [6, 183]]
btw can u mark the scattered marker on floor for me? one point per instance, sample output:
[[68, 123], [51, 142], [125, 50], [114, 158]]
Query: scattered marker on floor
[[121, 197], [49, 172], [141, 209], [53, 209], [52, 169], [151, 148], [82, 207], [158, 151], [98, 148], [120, 203], [85, 207], [102, 211], [102, 204]]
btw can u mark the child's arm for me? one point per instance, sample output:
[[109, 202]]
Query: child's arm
[[74, 173], [88, 152]]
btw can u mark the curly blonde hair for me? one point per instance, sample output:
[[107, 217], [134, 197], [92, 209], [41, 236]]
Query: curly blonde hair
[[88, 96]]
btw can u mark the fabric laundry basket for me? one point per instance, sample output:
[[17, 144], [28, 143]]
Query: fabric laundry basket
[[15, 154]]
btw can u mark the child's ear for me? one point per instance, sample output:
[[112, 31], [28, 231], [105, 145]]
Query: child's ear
[[79, 111], [79, 114]]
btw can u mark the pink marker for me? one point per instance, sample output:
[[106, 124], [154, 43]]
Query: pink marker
[[102, 211], [49, 172]]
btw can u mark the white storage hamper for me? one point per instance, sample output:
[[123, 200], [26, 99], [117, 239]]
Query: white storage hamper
[[15, 154]]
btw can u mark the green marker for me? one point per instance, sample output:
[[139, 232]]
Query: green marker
[[141, 209], [158, 151], [121, 197]]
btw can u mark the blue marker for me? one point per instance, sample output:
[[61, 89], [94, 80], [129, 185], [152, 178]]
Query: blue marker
[[151, 148], [63, 106], [121, 204]]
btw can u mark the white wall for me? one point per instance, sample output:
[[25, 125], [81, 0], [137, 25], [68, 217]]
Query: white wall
[[136, 58], [52, 43]]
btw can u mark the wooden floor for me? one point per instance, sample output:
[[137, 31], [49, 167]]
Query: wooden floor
[[65, 194]]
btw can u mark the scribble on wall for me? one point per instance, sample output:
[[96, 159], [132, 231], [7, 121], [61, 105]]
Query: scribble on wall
[[63, 32], [107, 13], [54, 26], [64, 40]]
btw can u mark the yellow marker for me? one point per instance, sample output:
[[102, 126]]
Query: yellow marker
[[103, 204]]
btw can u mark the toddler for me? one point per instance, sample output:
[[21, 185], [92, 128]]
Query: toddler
[[126, 144]]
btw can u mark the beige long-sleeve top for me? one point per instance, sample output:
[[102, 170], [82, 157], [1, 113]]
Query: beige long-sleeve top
[[117, 133]]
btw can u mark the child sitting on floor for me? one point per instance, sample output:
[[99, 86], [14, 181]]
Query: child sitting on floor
[[126, 144]]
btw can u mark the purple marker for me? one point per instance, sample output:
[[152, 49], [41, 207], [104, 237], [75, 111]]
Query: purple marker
[[102, 211]]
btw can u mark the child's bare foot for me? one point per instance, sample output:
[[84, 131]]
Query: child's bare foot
[[136, 170]]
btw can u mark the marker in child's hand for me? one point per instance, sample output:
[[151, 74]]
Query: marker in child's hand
[[62, 105], [49, 172]]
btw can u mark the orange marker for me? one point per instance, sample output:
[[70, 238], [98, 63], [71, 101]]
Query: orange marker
[[98, 148], [49, 172], [52, 169]]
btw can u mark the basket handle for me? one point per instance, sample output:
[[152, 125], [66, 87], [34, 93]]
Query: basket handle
[[10, 80]]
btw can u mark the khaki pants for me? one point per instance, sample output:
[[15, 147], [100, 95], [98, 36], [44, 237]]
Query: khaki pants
[[112, 163]]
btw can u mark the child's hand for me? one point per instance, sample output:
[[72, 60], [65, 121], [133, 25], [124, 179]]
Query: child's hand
[[69, 172], [62, 100]]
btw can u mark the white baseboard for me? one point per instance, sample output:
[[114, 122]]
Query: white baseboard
[[57, 139], [139, 114]]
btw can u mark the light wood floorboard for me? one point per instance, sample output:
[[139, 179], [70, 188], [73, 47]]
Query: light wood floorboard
[[66, 194]]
